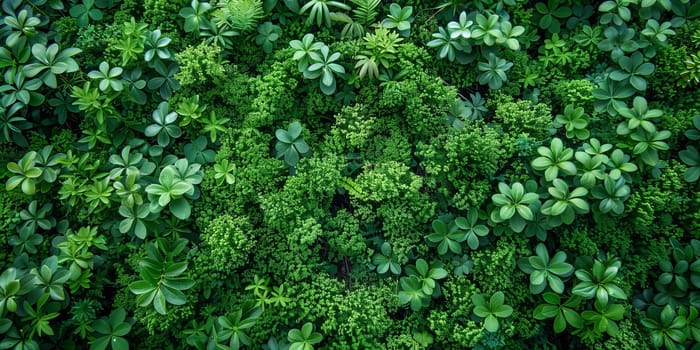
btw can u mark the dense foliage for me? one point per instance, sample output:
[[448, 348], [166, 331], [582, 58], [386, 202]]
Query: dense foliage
[[350, 174]]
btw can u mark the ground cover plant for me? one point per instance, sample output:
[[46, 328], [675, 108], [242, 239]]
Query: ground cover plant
[[350, 174]]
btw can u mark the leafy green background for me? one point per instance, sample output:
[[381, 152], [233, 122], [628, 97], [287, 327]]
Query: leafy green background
[[359, 174]]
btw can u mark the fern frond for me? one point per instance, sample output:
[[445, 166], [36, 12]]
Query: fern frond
[[241, 15], [365, 13]]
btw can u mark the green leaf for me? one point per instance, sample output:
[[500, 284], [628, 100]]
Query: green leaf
[[491, 323], [180, 208]]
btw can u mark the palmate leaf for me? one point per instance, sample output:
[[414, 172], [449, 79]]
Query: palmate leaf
[[491, 310], [194, 15], [411, 293], [563, 313], [290, 146], [447, 237], [112, 329]]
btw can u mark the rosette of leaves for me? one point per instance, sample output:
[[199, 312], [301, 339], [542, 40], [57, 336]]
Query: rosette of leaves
[[128, 163], [323, 66], [471, 227], [564, 204], [563, 312], [450, 48], [268, 34], [108, 77], [602, 318], [233, 328], [512, 204], [386, 260], [691, 158], [609, 95], [554, 159], [491, 310], [493, 71], [668, 328], [509, 35], [134, 218], [421, 284], [597, 149], [632, 70], [128, 190], [638, 116], [25, 240], [428, 274], [26, 174], [458, 114], [21, 91], [551, 14], [487, 30], [12, 123], [169, 192], [12, 287], [648, 144], [612, 195], [544, 271], [165, 126], [50, 278], [50, 62], [618, 40], [225, 171], [111, 331], [599, 281], [399, 18], [619, 166], [305, 338], [590, 169], [190, 110], [680, 273], [290, 145], [194, 16], [85, 11], [303, 49], [165, 83], [35, 217], [658, 33], [616, 11], [381, 47], [161, 281], [447, 237], [156, 47], [462, 265], [575, 121], [197, 152], [21, 24]]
